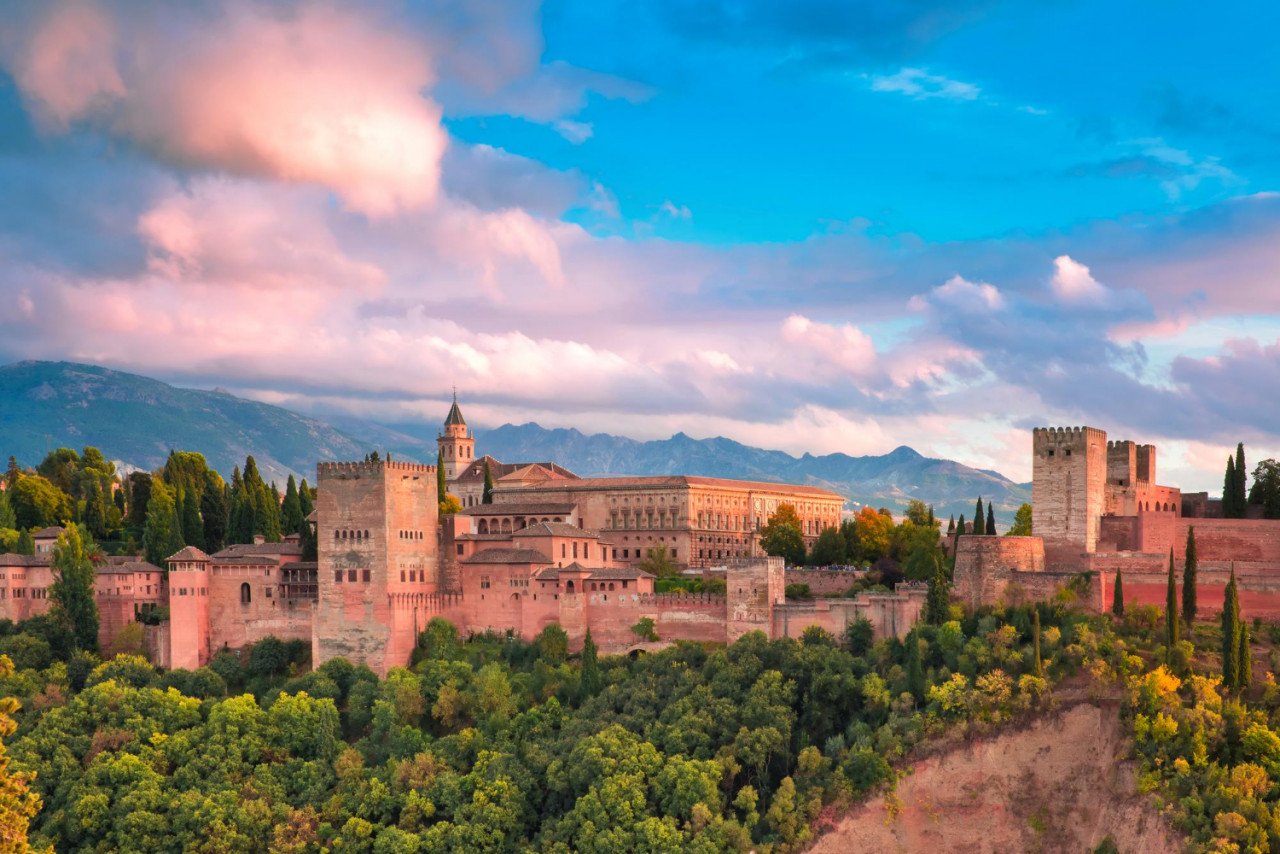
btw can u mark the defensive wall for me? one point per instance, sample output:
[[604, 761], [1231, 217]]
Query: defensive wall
[[824, 581]]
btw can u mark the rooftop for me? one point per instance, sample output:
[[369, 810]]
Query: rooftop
[[555, 529], [246, 549], [508, 556], [455, 414], [677, 482], [50, 533], [521, 508], [189, 553], [25, 560]]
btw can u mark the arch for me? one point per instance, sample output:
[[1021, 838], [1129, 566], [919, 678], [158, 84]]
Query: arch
[[246, 595], [568, 587], [366, 535], [506, 526], [483, 527]]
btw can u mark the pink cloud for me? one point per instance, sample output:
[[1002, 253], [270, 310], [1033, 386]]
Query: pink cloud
[[844, 348], [1072, 282]]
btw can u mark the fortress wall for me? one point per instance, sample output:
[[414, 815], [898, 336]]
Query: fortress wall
[[1118, 534], [824, 581], [1231, 539], [985, 567], [1146, 583], [890, 614]]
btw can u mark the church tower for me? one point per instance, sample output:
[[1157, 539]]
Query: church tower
[[457, 445]]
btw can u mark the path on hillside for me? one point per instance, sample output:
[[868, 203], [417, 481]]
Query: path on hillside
[[1059, 784]]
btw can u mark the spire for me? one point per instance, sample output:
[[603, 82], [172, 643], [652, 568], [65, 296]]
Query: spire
[[455, 414]]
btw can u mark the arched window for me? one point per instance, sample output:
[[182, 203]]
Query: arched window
[[484, 526], [245, 595], [366, 535], [568, 587]]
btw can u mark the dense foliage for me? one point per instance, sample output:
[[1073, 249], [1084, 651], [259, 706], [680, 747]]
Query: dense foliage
[[497, 745]]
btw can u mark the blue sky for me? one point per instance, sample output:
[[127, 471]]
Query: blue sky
[[813, 225]]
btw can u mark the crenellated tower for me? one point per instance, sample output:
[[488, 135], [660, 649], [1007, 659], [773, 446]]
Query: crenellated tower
[[1068, 487], [457, 444]]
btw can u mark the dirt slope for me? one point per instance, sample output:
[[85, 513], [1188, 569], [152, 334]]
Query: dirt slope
[[1059, 785]]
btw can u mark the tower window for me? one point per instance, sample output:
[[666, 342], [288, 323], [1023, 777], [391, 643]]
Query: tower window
[[245, 594]]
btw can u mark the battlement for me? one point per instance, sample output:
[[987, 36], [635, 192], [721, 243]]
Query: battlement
[[1044, 437], [365, 469]]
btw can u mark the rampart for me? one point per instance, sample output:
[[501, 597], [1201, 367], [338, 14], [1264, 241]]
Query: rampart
[[824, 581]]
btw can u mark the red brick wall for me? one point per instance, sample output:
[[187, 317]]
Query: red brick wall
[[823, 581], [986, 566]]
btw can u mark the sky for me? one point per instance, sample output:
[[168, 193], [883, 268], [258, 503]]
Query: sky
[[814, 225]]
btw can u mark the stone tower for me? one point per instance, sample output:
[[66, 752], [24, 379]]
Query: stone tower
[[457, 445], [376, 534], [1068, 488], [753, 587]]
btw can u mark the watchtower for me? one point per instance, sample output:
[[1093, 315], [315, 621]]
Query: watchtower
[[753, 586], [1068, 487], [457, 443], [376, 535]]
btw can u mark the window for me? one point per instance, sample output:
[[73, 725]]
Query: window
[[364, 576], [459, 548], [484, 582], [351, 576], [402, 576], [245, 594], [337, 576]]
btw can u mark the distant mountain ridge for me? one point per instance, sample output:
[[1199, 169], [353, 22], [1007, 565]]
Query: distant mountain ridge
[[887, 480], [137, 420]]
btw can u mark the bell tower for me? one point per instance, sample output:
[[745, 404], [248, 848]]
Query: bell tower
[[457, 445]]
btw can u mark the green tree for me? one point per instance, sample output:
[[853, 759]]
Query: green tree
[[960, 531], [37, 503], [192, 526], [1035, 628], [590, 679], [1021, 523], [979, 519], [7, 518], [213, 512], [158, 534], [658, 562], [1244, 666], [1266, 488], [72, 604], [915, 668], [487, 497], [781, 536], [291, 509], [991, 520], [829, 549], [1231, 634], [442, 484], [139, 498], [1117, 596], [951, 525], [26, 543], [1171, 633], [1229, 509], [937, 607], [307, 496], [1239, 500], [1189, 572], [19, 803], [95, 509], [12, 473], [918, 512]]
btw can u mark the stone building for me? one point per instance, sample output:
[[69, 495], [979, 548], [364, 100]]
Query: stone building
[[1097, 509]]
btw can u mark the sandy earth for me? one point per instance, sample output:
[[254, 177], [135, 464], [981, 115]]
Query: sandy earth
[[1061, 784]]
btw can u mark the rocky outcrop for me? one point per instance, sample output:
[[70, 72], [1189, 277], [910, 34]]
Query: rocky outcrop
[[1060, 784]]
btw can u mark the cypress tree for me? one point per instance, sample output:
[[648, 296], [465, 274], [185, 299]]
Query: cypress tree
[[488, 485], [158, 532], [176, 540], [951, 525], [979, 526], [1189, 572], [213, 512], [1244, 666], [937, 607], [291, 510], [307, 540], [192, 527], [960, 527], [1117, 596], [1229, 490], [1172, 635], [26, 543], [442, 485], [991, 520], [915, 669], [95, 510], [1035, 626], [590, 682], [306, 498], [1240, 500], [932, 519], [1231, 634]]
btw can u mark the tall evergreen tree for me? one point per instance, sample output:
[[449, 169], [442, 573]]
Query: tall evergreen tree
[[213, 513], [307, 540], [937, 606], [991, 520], [307, 497], [915, 667], [1171, 633], [979, 519], [11, 474], [176, 538], [26, 543], [157, 533], [95, 510], [442, 484], [1231, 634], [590, 681], [1229, 490], [1117, 596], [192, 526], [139, 498], [7, 517], [959, 529], [487, 498], [73, 605], [1190, 570], [1240, 500], [291, 509], [951, 525], [1244, 664], [1035, 626]]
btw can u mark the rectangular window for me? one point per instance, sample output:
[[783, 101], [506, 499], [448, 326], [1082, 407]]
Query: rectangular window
[[351, 576], [459, 548], [402, 576], [364, 576], [337, 576]]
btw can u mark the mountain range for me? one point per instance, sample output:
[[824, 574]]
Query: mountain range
[[137, 420]]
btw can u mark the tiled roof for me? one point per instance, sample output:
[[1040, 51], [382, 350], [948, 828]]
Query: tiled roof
[[474, 473], [619, 573], [521, 508], [50, 533], [189, 553], [300, 564], [25, 560], [508, 556], [554, 529], [127, 568], [244, 549], [455, 415]]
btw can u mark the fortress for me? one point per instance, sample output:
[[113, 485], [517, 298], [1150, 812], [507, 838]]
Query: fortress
[[551, 547], [1097, 509]]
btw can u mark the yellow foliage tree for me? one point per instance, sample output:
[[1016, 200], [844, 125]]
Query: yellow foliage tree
[[18, 804]]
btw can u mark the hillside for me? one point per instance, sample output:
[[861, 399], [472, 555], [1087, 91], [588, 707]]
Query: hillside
[[137, 421], [888, 480]]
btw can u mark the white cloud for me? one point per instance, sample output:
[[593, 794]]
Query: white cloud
[[575, 132], [919, 84], [675, 211], [845, 348], [959, 292], [1072, 283]]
